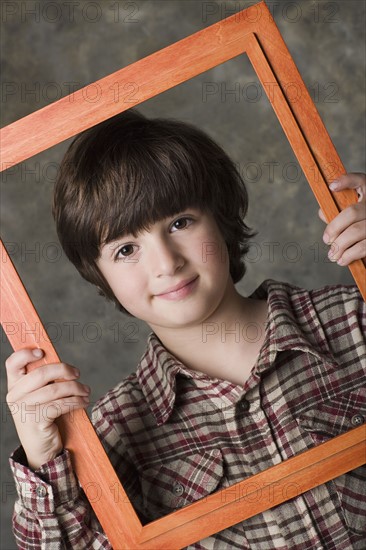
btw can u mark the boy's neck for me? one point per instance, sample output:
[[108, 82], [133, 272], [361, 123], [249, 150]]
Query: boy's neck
[[227, 344]]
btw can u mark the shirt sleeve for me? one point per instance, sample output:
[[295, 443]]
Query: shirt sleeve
[[52, 511]]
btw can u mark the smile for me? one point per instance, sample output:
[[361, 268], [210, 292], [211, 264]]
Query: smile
[[179, 291]]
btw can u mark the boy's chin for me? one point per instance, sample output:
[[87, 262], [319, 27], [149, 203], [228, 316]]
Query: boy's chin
[[181, 315]]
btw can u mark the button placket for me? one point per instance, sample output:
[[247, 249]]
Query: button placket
[[178, 489], [41, 491], [245, 405], [357, 420]]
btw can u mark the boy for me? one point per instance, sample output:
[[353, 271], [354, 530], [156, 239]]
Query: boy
[[151, 212]]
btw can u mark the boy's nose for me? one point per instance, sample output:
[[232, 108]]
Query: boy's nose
[[166, 259]]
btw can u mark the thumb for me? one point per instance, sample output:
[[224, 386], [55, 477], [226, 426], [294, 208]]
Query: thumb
[[321, 215]]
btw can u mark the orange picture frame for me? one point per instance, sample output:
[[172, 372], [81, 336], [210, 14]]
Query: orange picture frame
[[251, 31]]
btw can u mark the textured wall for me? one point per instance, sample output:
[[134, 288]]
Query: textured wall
[[50, 48]]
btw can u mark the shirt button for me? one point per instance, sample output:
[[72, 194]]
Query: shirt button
[[245, 405], [357, 420], [178, 489], [41, 491], [216, 452]]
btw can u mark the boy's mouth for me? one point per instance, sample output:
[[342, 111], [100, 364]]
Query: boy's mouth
[[180, 290]]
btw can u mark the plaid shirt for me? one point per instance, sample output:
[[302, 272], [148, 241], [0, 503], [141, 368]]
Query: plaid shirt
[[175, 435]]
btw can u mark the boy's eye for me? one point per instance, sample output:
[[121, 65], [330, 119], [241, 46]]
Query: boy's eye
[[124, 251], [181, 223]]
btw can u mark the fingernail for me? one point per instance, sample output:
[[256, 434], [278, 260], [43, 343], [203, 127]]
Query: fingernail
[[76, 371], [37, 352], [331, 255], [326, 238], [86, 388], [334, 185], [341, 261], [86, 399]]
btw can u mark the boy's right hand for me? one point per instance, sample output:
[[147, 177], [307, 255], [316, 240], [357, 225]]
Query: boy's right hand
[[35, 403]]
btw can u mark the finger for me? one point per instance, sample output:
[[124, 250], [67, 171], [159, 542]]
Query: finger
[[349, 216], [63, 406], [349, 238], [16, 364], [46, 413], [43, 376], [33, 390], [354, 180], [355, 252]]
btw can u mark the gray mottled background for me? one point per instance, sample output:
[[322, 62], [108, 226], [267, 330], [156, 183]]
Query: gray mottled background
[[50, 48]]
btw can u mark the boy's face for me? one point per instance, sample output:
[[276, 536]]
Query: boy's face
[[174, 275]]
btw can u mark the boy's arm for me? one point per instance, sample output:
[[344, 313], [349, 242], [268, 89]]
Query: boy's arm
[[347, 232], [52, 510]]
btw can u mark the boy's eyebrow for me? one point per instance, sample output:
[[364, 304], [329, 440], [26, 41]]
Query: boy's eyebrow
[[130, 235], [111, 244], [105, 240]]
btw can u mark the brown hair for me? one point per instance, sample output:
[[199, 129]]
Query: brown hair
[[128, 172]]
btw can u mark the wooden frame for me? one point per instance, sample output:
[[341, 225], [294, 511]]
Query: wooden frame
[[253, 32]]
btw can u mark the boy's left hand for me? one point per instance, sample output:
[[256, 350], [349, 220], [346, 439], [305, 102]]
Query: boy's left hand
[[346, 233]]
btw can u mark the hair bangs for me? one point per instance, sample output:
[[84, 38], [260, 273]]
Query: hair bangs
[[155, 185]]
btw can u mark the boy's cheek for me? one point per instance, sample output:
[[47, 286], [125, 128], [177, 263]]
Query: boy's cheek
[[214, 252]]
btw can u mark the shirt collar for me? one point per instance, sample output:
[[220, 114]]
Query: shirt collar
[[156, 374], [292, 324]]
